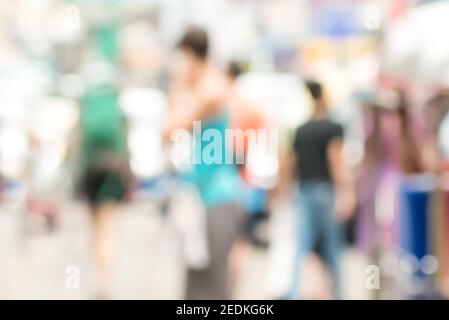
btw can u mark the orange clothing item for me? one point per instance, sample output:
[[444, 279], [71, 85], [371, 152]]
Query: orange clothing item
[[247, 117]]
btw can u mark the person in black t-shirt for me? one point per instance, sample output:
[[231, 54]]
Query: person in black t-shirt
[[325, 195], [312, 141]]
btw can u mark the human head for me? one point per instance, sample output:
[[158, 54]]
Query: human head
[[193, 50], [234, 70], [315, 90]]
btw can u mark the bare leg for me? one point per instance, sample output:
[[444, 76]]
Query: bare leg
[[105, 217]]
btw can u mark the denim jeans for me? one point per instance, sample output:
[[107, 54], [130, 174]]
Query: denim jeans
[[316, 221]]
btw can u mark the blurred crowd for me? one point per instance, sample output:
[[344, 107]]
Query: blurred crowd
[[314, 133]]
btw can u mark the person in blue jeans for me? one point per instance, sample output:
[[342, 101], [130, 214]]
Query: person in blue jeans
[[325, 196]]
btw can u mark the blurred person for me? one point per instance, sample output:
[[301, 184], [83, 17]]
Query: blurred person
[[105, 170], [326, 196], [368, 176], [372, 172], [206, 88], [42, 198], [245, 115], [379, 165], [387, 130]]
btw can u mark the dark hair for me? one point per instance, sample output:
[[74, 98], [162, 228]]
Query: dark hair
[[195, 40], [315, 89], [234, 69], [409, 155], [438, 106]]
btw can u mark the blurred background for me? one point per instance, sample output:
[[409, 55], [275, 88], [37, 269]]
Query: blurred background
[[370, 56]]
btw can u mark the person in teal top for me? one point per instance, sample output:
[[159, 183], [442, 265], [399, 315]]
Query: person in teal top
[[217, 182]]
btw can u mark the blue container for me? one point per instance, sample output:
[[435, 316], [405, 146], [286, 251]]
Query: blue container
[[414, 200]]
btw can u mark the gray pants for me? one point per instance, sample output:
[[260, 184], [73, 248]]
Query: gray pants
[[224, 226]]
